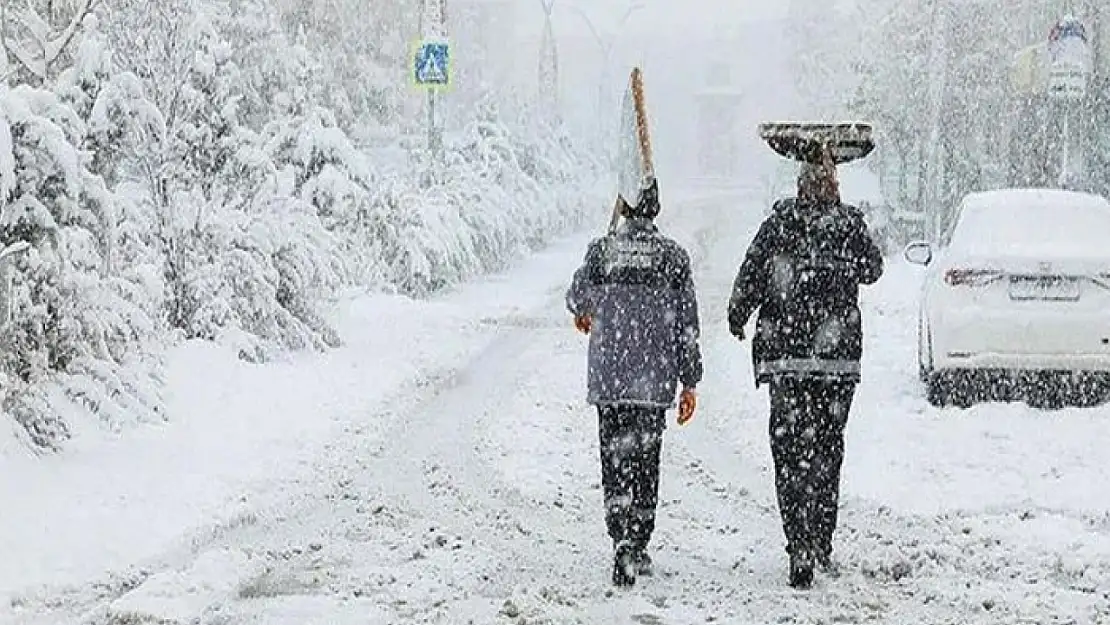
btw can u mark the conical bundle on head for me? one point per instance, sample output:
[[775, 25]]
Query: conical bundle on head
[[635, 168]]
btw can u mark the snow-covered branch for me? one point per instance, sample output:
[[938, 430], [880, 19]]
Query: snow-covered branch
[[204, 170], [38, 52]]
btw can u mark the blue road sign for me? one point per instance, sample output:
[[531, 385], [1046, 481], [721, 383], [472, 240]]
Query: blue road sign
[[432, 64]]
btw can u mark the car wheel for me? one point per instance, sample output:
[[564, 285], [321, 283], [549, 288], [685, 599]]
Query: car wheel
[[949, 389], [1088, 391], [961, 394], [937, 389]]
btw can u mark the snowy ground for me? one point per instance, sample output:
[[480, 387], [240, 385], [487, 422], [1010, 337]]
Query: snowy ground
[[442, 469]]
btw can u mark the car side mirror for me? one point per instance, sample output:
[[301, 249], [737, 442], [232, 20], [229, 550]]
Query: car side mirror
[[919, 253]]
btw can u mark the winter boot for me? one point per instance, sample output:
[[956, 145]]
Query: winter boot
[[822, 556], [827, 565], [641, 561], [624, 567], [801, 570]]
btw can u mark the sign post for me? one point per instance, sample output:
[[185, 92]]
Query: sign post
[[431, 70], [1071, 64], [431, 63]]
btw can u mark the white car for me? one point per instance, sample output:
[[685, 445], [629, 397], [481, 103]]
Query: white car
[[1016, 305]]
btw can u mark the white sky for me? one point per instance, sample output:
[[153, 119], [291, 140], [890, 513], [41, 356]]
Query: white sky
[[656, 15], [677, 42]]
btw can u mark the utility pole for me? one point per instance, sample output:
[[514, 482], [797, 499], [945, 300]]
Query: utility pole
[[605, 45], [1096, 100], [1093, 13], [938, 78], [548, 78]]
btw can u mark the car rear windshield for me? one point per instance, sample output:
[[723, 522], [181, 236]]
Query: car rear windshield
[[1045, 229]]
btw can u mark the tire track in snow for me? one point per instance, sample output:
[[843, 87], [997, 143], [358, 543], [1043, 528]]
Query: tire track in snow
[[450, 497], [92, 603], [952, 568], [482, 505]]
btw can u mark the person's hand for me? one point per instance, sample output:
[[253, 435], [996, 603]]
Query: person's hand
[[583, 323], [687, 403]]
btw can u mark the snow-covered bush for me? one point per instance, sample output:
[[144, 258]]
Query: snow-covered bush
[[502, 190], [318, 165], [72, 324], [252, 276], [214, 184], [246, 260], [118, 116]]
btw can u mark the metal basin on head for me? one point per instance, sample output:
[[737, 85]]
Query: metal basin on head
[[810, 141]]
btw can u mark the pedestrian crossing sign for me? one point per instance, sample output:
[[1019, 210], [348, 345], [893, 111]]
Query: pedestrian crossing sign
[[432, 64]]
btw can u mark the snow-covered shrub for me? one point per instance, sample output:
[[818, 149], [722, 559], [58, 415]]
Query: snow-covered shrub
[[246, 261], [318, 165], [253, 276], [250, 272], [214, 183], [501, 190], [72, 324], [118, 116]]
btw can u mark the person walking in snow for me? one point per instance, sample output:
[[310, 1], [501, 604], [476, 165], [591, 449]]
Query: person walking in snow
[[634, 297], [802, 272]]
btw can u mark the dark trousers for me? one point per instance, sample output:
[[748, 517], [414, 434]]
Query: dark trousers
[[807, 443], [631, 440]]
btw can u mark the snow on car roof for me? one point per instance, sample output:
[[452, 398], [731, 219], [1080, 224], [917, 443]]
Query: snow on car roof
[[1034, 221]]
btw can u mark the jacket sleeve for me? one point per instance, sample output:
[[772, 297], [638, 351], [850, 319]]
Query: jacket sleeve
[[687, 326], [750, 286], [580, 295], [868, 257]]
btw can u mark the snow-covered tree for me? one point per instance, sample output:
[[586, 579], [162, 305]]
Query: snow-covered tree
[[36, 37], [236, 247], [113, 104], [930, 65], [506, 188], [198, 169], [73, 325]]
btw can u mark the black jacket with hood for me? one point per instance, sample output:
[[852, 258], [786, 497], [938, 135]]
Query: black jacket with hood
[[802, 272]]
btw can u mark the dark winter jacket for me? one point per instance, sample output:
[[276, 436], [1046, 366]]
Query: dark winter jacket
[[638, 288], [803, 271]]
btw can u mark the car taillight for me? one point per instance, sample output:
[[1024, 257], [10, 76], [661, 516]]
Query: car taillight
[[971, 277]]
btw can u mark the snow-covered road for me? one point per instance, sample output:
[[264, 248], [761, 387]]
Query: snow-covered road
[[469, 492]]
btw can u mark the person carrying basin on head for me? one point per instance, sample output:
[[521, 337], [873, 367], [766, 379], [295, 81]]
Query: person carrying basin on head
[[802, 272]]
